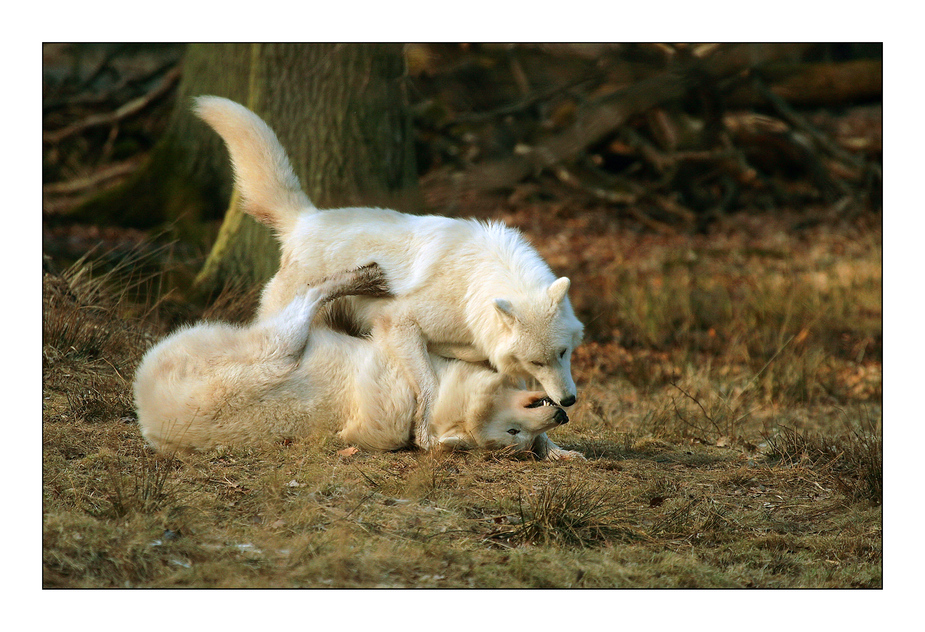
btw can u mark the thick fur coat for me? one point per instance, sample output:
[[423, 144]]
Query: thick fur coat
[[282, 377], [463, 289]]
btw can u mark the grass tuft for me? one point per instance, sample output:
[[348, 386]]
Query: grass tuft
[[144, 482], [854, 459], [566, 514]]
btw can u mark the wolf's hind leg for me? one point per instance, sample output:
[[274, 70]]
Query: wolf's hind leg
[[288, 331], [368, 280]]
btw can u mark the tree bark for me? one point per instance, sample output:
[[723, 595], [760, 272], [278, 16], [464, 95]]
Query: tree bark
[[338, 109]]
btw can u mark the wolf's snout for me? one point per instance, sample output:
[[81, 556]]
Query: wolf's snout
[[567, 401], [560, 417]]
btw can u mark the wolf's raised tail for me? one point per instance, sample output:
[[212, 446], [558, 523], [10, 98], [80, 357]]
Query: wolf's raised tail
[[269, 188]]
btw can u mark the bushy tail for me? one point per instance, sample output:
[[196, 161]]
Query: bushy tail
[[269, 188]]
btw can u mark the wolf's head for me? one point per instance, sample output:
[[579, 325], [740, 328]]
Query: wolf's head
[[542, 331], [507, 419]]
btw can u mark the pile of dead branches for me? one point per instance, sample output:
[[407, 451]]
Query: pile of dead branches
[[103, 108], [672, 135]]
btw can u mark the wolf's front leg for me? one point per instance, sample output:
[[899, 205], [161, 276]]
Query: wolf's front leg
[[401, 337], [545, 449]]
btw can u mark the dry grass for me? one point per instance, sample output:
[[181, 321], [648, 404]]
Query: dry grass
[[730, 412], [854, 458], [566, 514]]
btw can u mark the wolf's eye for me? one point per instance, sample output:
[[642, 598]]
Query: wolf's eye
[[513, 431], [562, 353], [535, 363]]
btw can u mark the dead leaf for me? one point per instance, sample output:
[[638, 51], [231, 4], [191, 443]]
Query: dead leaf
[[348, 451]]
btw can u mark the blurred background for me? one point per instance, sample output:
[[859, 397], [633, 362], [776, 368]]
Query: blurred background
[[660, 138]]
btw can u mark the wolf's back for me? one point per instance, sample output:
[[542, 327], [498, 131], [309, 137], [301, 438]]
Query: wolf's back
[[269, 188]]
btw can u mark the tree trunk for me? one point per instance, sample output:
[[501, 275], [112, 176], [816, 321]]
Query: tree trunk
[[186, 179], [338, 109]]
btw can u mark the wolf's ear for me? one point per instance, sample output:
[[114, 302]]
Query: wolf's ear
[[559, 289], [506, 310]]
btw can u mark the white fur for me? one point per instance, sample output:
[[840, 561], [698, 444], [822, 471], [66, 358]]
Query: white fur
[[215, 384], [475, 291]]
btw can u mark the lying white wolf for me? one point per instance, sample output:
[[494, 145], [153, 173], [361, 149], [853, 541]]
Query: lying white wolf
[[465, 289], [216, 384]]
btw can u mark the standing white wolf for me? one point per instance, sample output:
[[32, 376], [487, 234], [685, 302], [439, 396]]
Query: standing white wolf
[[215, 384], [466, 289]]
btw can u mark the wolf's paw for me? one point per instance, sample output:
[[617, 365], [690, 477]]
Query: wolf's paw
[[560, 454]]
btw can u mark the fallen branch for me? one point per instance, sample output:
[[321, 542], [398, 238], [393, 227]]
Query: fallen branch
[[606, 116], [816, 84], [797, 121], [129, 109], [624, 200], [630, 199], [99, 98], [518, 106], [80, 184], [871, 173], [673, 208]]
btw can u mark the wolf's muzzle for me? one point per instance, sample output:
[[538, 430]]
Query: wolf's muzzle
[[560, 417]]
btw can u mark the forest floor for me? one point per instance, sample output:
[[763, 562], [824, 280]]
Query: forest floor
[[730, 391], [729, 408]]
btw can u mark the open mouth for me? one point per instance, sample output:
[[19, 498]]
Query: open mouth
[[559, 416], [545, 401]]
